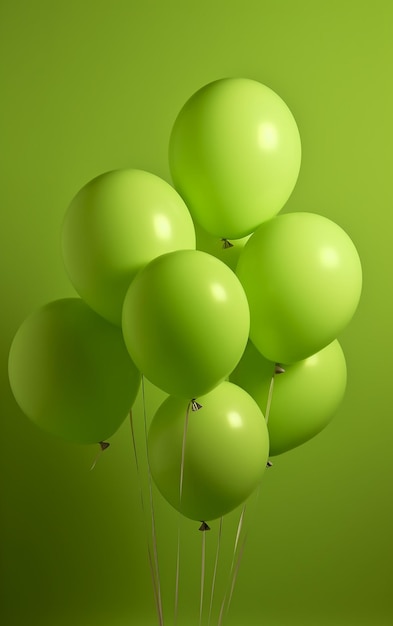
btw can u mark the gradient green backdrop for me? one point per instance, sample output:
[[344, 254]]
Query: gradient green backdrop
[[93, 85]]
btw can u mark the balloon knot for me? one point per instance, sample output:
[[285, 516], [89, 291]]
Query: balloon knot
[[195, 405], [103, 446], [278, 369], [269, 464], [204, 526], [226, 244]]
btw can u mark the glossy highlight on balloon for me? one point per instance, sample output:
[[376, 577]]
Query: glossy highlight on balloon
[[70, 372], [306, 395], [114, 226], [234, 156], [186, 322], [303, 279], [225, 456]]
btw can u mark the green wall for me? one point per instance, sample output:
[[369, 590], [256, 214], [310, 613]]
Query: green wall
[[92, 85]]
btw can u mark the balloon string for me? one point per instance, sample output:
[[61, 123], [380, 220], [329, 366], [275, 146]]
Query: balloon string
[[239, 530], [236, 570], [215, 570], [153, 522], [241, 551], [177, 574], [202, 575], [232, 569], [235, 567], [152, 571], [278, 369], [269, 399], [183, 455]]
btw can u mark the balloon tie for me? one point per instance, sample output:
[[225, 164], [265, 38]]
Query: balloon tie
[[226, 244], [195, 405], [277, 370], [103, 446]]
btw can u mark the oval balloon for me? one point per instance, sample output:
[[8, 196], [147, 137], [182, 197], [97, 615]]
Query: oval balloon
[[115, 225], [305, 396], [303, 279], [70, 372], [225, 453], [234, 155], [186, 322]]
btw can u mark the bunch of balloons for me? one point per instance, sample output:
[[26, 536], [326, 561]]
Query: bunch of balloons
[[203, 289]]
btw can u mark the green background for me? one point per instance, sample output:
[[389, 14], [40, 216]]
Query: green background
[[89, 86]]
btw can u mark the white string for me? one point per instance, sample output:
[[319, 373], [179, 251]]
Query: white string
[[153, 523], [183, 454], [215, 570]]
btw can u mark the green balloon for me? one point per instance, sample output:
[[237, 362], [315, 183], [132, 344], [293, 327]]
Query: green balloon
[[225, 454], [234, 156], [186, 322], [227, 251], [303, 279], [115, 225], [305, 397], [70, 372]]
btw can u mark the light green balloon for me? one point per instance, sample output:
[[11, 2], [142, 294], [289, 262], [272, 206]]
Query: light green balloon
[[303, 279], [115, 225], [227, 251], [305, 397], [225, 456], [70, 372], [234, 155], [186, 322]]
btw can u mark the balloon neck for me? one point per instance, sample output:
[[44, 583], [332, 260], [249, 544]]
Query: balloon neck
[[195, 406], [278, 369], [204, 527], [226, 243], [104, 445]]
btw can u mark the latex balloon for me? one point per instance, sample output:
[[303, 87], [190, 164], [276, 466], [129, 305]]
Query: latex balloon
[[186, 322], [70, 372], [225, 454], [305, 397], [227, 251], [115, 225], [234, 155], [303, 278]]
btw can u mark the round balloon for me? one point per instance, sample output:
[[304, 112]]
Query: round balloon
[[226, 250], [186, 322], [305, 397], [225, 452], [115, 225], [70, 372], [303, 278], [234, 155]]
